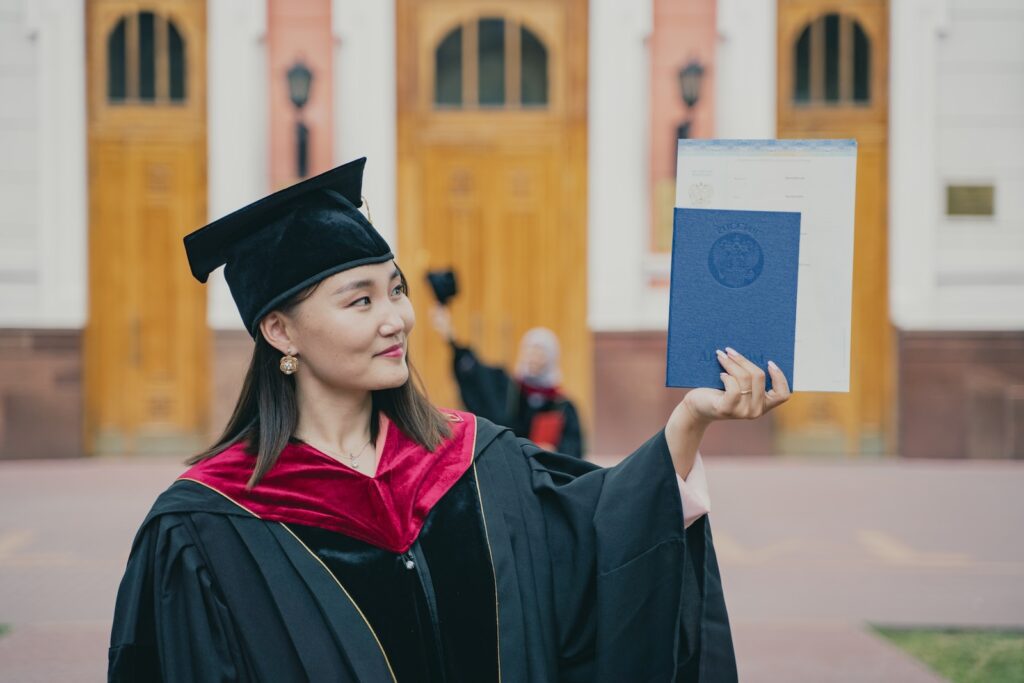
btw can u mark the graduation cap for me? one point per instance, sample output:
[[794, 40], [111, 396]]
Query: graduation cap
[[277, 246], [444, 285]]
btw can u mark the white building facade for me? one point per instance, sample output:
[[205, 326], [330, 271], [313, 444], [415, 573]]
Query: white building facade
[[955, 204]]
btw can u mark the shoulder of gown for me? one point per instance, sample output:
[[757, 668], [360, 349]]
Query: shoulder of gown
[[213, 593]]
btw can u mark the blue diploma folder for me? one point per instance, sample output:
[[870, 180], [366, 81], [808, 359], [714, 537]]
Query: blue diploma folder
[[734, 283]]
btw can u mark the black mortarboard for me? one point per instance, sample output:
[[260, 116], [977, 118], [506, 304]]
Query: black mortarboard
[[444, 285], [277, 246]]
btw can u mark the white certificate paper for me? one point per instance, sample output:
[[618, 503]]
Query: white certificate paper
[[816, 178]]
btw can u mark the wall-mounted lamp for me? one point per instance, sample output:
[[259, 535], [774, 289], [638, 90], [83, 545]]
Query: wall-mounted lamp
[[690, 77], [300, 78]]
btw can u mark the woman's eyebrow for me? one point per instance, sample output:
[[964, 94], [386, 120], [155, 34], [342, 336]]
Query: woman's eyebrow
[[362, 284], [358, 284]]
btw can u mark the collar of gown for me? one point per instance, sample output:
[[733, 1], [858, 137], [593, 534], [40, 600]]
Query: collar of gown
[[306, 486]]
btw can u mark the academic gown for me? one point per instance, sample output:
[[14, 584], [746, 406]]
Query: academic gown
[[489, 559], [488, 391]]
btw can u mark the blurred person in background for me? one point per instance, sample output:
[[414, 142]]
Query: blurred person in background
[[530, 402], [345, 529]]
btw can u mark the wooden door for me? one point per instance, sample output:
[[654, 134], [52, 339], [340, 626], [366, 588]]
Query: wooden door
[[833, 83], [492, 177], [147, 343]]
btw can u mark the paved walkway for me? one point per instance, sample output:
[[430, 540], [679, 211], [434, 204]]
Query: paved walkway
[[811, 552]]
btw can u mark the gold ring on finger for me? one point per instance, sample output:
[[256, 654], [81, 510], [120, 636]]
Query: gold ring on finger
[[747, 391]]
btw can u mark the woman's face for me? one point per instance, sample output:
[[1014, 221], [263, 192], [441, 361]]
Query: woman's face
[[534, 358], [352, 332]]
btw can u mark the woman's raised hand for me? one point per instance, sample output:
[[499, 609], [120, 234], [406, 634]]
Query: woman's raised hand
[[744, 397], [441, 318]]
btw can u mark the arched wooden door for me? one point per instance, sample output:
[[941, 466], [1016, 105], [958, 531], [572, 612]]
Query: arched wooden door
[[146, 344], [492, 177], [833, 83]]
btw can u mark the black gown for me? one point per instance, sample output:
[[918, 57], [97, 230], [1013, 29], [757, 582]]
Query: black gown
[[489, 392], [534, 566]]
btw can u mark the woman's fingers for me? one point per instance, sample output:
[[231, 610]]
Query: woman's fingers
[[755, 372], [751, 379], [732, 399], [734, 368], [780, 391], [745, 396]]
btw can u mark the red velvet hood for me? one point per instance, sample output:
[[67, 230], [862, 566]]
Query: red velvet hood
[[306, 486]]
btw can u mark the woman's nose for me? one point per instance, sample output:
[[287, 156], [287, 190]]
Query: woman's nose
[[393, 323]]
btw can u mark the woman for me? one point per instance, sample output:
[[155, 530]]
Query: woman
[[531, 402], [344, 529]]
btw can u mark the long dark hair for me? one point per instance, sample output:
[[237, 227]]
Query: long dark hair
[[267, 412]]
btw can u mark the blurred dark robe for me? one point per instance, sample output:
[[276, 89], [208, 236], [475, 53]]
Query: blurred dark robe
[[489, 392], [537, 564]]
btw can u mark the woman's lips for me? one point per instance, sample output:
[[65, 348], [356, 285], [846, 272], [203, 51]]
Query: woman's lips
[[394, 352]]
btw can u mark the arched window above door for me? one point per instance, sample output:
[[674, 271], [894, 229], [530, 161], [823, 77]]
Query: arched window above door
[[832, 62], [146, 60], [491, 63]]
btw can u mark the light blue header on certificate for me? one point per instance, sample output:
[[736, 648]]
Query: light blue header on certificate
[[772, 147]]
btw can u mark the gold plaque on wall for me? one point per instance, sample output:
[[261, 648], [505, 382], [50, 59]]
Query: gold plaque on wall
[[970, 200]]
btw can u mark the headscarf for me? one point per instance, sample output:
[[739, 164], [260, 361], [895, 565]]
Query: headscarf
[[550, 375]]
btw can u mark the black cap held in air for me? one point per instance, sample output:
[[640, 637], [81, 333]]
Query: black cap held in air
[[444, 285], [274, 248]]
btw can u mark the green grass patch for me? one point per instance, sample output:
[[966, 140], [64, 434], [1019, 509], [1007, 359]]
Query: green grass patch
[[965, 656]]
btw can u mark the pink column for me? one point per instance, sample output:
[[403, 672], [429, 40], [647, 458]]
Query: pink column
[[683, 30], [299, 30]]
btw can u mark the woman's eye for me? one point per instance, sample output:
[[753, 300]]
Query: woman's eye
[[360, 301], [400, 289]]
